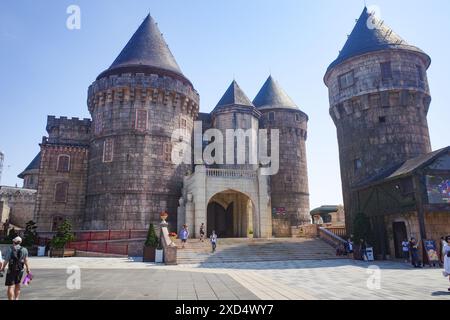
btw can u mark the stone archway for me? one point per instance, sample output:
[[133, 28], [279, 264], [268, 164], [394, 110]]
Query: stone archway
[[231, 214]]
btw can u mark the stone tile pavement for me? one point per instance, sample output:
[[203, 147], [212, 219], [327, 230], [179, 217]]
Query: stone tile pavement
[[116, 278]]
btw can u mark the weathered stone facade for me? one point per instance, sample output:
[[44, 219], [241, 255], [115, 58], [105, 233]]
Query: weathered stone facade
[[16, 205], [130, 191], [118, 170], [289, 187], [381, 120]]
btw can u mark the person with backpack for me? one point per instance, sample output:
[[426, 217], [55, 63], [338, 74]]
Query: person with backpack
[[213, 239], [16, 259]]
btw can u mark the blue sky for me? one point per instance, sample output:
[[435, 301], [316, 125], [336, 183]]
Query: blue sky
[[46, 69]]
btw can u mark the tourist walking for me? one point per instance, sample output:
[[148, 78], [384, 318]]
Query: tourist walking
[[184, 234], [202, 232], [213, 239], [15, 259], [349, 246], [447, 258], [414, 251], [405, 250]]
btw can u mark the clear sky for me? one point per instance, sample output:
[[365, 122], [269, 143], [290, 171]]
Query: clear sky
[[45, 68]]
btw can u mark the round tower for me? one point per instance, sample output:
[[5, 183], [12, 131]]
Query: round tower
[[136, 105], [233, 112], [379, 100], [289, 187]]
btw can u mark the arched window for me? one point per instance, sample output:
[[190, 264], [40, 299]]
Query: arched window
[[108, 150], [61, 189], [141, 120], [56, 222], [63, 163]]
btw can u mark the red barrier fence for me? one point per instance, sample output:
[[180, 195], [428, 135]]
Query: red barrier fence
[[100, 247]]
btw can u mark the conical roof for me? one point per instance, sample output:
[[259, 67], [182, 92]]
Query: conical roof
[[146, 49], [234, 96], [34, 165], [371, 34], [272, 96]]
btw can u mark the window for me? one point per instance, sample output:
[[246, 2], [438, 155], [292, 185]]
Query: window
[[56, 222], [297, 117], [183, 126], [98, 123], [271, 116], [346, 80], [63, 163], [358, 164], [386, 71], [108, 150], [167, 152], [420, 72], [382, 119], [141, 120], [61, 192]]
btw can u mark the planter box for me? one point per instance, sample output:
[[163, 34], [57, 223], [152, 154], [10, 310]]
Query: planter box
[[149, 254], [61, 253], [159, 258]]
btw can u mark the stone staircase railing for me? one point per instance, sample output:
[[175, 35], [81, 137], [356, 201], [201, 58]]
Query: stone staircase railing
[[331, 238], [230, 173], [169, 247]]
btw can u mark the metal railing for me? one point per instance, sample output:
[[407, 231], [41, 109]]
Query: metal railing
[[231, 173], [339, 231], [330, 238]]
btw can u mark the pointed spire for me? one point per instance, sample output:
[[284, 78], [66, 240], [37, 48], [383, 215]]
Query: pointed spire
[[147, 48], [272, 96], [34, 165], [234, 96], [372, 34]]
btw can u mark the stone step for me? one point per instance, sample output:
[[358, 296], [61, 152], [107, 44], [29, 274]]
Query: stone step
[[254, 250]]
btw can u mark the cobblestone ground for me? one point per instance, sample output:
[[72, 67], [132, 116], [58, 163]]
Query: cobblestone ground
[[114, 278]]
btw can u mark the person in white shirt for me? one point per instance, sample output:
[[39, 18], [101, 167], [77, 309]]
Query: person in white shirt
[[213, 239], [405, 250], [447, 258]]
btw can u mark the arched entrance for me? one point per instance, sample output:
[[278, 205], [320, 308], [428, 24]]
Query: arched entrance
[[230, 214]]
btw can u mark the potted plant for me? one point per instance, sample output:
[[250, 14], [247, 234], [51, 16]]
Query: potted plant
[[164, 216], [250, 233], [30, 238], [173, 236], [63, 236], [150, 245]]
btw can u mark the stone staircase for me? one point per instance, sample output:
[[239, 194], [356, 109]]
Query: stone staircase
[[254, 250]]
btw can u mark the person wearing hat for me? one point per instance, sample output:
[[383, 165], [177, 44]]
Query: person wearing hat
[[16, 258]]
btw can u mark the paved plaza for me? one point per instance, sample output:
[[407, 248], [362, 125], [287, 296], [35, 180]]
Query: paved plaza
[[116, 278]]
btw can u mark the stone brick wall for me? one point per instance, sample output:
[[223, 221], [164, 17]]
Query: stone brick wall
[[68, 131], [17, 205], [141, 181], [73, 208], [380, 123], [289, 188]]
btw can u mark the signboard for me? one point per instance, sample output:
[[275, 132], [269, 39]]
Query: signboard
[[438, 189], [369, 253], [279, 212], [431, 250]]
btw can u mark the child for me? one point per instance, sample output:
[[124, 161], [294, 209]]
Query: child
[[213, 239]]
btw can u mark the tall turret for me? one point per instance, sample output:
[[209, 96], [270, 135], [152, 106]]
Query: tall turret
[[289, 188], [136, 105], [379, 100]]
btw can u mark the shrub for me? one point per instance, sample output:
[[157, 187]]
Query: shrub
[[63, 236], [30, 234], [152, 239]]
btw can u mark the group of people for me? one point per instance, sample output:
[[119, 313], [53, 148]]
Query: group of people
[[347, 249], [410, 251], [184, 235], [16, 259]]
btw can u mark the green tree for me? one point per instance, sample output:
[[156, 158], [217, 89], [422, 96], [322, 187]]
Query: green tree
[[63, 235], [362, 229], [30, 234], [11, 235], [152, 240]]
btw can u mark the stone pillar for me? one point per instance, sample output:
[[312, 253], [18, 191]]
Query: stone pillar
[[200, 200], [264, 207], [181, 214], [190, 216]]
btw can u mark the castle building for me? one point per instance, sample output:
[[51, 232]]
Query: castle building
[[379, 100], [116, 170]]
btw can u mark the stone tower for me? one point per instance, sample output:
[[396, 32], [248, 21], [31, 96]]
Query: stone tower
[[289, 188], [236, 111], [379, 100], [136, 105]]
